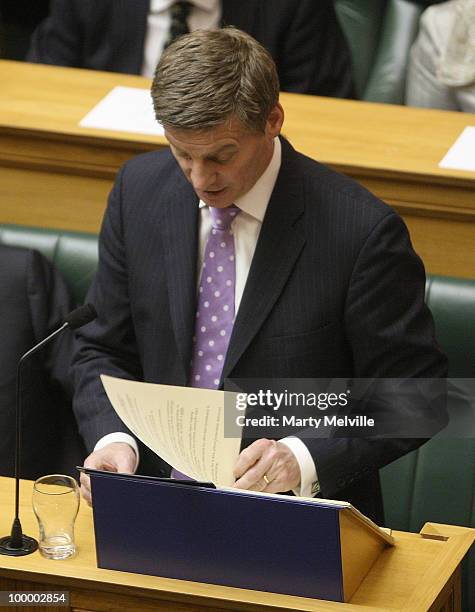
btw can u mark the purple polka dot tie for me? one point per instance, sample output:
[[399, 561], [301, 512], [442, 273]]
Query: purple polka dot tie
[[215, 311]]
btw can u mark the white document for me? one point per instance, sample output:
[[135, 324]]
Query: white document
[[461, 155], [124, 109], [185, 426]]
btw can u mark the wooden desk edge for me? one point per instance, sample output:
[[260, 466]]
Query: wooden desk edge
[[240, 599], [458, 539], [445, 572]]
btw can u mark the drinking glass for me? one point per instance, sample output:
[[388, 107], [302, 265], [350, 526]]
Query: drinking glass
[[56, 504]]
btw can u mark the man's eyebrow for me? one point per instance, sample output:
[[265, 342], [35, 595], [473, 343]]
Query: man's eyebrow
[[223, 149]]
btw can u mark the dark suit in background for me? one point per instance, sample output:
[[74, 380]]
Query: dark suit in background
[[334, 291], [304, 38], [34, 300], [19, 19]]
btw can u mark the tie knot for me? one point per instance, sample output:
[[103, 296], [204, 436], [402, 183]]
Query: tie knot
[[221, 218], [180, 10]]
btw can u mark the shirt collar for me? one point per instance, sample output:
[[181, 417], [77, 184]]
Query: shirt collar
[[255, 201], [157, 6]]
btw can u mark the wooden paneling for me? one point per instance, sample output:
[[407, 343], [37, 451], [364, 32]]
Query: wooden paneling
[[448, 244], [393, 150], [52, 199]]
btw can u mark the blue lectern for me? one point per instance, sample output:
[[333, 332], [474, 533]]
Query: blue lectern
[[281, 544]]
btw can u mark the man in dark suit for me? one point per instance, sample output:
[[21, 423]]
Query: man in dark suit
[[34, 301], [324, 281], [304, 37]]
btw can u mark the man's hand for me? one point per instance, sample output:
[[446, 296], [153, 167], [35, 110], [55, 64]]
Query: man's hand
[[271, 459], [115, 457]]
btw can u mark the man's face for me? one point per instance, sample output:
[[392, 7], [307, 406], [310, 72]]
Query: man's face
[[224, 163]]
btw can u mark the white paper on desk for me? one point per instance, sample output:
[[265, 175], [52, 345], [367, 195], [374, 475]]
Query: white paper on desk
[[461, 155], [183, 425], [124, 109]]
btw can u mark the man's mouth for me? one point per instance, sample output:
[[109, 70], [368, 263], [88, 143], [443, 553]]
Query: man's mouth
[[213, 192]]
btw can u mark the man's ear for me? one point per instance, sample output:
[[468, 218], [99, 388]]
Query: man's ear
[[275, 121]]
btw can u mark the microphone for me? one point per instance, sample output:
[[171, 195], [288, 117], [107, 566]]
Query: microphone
[[17, 544], [80, 316]]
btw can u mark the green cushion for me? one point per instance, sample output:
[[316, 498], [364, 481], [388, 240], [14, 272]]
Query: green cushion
[[452, 301], [387, 80], [380, 34], [361, 23], [74, 253], [437, 482]]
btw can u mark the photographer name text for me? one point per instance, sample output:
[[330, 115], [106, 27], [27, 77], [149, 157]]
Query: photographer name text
[[315, 422]]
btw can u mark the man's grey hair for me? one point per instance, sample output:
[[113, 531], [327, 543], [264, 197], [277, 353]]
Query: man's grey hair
[[205, 78]]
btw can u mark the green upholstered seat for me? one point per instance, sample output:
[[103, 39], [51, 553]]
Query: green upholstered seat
[[437, 482], [74, 253], [380, 34], [452, 301], [361, 23]]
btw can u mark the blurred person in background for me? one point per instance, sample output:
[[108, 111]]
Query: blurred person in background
[[2, 37], [441, 72], [34, 302], [304, 37], [18, 19]]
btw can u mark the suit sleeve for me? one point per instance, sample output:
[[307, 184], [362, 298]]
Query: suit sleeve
[[391, 334], [58, 39], [315, 58], [107, 345], [389, 326]]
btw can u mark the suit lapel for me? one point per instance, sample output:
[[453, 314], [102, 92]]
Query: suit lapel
[[180, 232], [280, 243]]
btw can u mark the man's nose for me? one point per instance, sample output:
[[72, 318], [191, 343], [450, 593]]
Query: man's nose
[[201, 177]]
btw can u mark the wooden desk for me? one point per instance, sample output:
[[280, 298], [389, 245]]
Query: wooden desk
[[420, 573], [54, 173]]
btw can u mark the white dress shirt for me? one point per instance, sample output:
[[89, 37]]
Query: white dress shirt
[[246, 228], [204, 15]]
